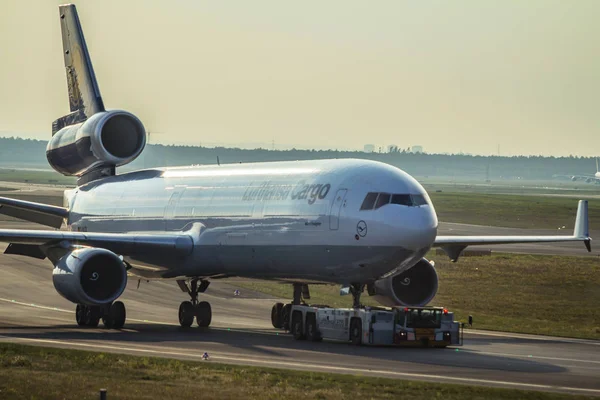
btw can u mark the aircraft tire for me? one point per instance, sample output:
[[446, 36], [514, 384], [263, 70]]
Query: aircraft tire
[[298, 326], [117, 314], [203, 314], [186, 314], [285, 317], [92, 316], [80, 314], [276, 319], [312, 333]]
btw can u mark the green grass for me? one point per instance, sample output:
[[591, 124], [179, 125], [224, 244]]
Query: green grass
[[28, 372], [516, 211], [546, 295]]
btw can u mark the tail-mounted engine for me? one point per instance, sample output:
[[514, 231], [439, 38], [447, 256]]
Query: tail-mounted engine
[[90, 276], [414, 287], [106, 139]]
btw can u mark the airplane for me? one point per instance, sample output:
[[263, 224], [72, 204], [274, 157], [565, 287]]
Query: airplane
[[587, 178], [356, 223]]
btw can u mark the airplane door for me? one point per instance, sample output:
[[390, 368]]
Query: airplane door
[[336, 209]]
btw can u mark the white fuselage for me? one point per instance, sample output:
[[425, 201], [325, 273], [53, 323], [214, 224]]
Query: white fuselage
[[280, 220]]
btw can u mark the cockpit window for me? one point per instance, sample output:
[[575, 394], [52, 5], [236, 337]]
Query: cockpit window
[[418, 199], [376, 200], [382, 200], [369, 201], [402, 199]]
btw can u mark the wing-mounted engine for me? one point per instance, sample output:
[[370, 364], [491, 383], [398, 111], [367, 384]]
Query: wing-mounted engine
[[416, 286], [106, 139], [90, 276]]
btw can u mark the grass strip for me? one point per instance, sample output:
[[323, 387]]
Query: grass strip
[[28, 372], [513, 211]]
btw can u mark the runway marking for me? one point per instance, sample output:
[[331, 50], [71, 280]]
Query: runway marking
[[534, 337], [489, 353], [278, 363]]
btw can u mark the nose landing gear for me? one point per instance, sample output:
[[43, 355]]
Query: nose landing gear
[[356, 290], [188, 310]]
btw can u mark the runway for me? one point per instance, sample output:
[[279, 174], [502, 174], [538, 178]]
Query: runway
[[31, 312]]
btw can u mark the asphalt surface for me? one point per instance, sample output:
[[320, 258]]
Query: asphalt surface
[[31, 312]]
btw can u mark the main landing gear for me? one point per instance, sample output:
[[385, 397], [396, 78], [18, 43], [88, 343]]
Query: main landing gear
[[112, 315], [188, 310], [280, 313]]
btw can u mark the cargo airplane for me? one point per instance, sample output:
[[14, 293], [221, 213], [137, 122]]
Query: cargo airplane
[[356, 223]]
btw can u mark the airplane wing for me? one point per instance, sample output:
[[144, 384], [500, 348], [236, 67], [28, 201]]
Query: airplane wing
[[25, 242], [454, 245], [34, 212]]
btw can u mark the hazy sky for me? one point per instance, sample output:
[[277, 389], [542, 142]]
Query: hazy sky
[[448, 75]]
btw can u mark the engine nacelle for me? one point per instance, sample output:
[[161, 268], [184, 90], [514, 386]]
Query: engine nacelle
[[414, 287], [90, 276], [108, 138]]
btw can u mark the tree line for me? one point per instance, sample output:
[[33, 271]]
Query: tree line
[[17, 152]]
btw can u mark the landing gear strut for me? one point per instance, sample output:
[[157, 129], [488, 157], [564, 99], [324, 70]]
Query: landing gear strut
[[188, 310], [356, 290], [280, 313], [113, 315]]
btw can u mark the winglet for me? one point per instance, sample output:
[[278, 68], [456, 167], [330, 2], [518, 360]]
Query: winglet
[[581, 230]]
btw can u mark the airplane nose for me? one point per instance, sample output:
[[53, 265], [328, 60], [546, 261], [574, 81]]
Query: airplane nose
[[415, 228], [425, 226]]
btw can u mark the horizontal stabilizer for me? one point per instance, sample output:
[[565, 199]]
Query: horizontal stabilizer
[[39, 213]]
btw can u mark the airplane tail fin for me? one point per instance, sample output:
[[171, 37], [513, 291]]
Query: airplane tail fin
[[597, 170], [84, 95]]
